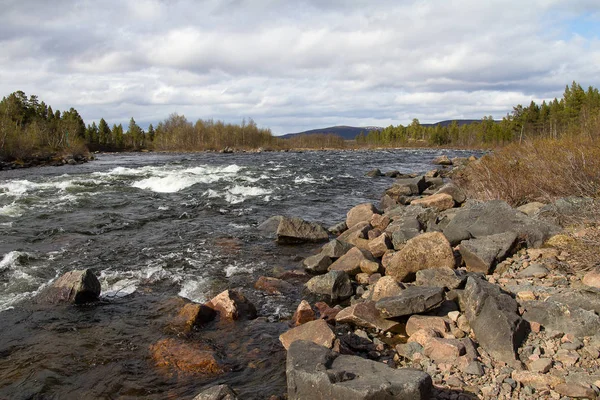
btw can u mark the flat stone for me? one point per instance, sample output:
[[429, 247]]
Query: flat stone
[[440, 277], [412, 300], [296, 230], [350, 262], [317, 331], [334, 285], [365, 315], [380, 245], [232, 304], [429, 250], [533, 271], [531, 208], [576, 391], [304, 313], [567, 357], [444, 350], [317, 264], [314, 372], [360, 213], [438, 202], [416, 322], [474, 368]]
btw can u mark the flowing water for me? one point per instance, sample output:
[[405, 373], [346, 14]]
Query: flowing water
[[157, 228]]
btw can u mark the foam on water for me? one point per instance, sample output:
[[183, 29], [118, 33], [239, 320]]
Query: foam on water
[[11, 210], [238, 193], [194, 290], [233, 269]]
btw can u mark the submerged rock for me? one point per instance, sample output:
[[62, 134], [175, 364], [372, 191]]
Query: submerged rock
[[220, 392], [77, 287], [316, 373], [184, 357], [192, 315]]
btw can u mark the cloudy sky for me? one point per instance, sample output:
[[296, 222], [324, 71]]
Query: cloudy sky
[[297, 65]]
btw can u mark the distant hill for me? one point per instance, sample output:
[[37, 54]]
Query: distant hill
[[351, 132]]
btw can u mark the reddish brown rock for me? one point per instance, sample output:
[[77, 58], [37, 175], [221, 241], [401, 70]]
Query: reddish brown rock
[[380, 221], [417, 322], [592, 278], [232, 305], [186, 358], [273, 285], [373, 234], [77, 287], [387, 257], [191, 315], [317, 331], [423, 336], [380, 245], [304, 313], [365, 315], [444, 350], [327, 313], [360, 213], [428, 250], [438, 202], [350, 262], [536, 380], [576, 391]]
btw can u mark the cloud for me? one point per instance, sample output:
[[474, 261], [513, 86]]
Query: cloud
[[296, 65]]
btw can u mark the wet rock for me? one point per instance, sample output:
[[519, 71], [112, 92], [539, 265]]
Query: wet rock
[[365, 315], [317, 331], [482, 255], [560, 317], [393, 174], [335, 249], [313, 372], [379, 246], [444, 350], [374, 173], [350, 262], [386, 286], [442, 160], [220, 392], [494, 318], [78, 287], [476, 220], [417, 322], [575, 391], [317, 264], [440, 277], [438, 202], [412, 300], [184, 357], [334, 286], [296, 230], [304, 313], [360, 213], [429, 250], [233, 305], [273, 285], [457, 194], [192, 315]]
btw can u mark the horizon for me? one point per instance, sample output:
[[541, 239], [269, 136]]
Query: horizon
[[297, 67]]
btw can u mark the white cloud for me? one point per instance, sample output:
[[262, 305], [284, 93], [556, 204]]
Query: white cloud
[[295, 65]]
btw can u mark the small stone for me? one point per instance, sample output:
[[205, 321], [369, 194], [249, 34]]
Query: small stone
[[233, 305], [526, 295], [380, 221], [369, 267], [380, 245], [412, 300], [535, 326], [362, 278], [453, 315], [474, 368], [567, 357], [536, 380], [304, 313], [365, 315], [534, 271], [408, 350]]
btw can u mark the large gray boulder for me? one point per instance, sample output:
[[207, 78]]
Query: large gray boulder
[[457, 194], [407, 187], [493, 316], [296, 230], [561, 317], [482, 255], [477, 220], [333, 286], [316, 373], [78, 287], [412, 300]]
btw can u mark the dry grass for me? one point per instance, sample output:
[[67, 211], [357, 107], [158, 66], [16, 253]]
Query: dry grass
[[540, 170]]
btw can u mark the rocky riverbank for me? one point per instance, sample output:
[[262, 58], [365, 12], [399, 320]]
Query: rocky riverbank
[[425, 295], [46, 160]]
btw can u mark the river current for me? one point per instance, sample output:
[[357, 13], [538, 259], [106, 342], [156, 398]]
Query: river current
[[156, 228]]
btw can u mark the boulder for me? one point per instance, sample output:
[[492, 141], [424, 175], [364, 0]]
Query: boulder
[[387, 202], [327, 313], [440, 277], [407, 187], [408, 350], [403, 230], [444, 350], [338, 228], [386, 286], [412, 300], [269, 227], [457, 193], [561, 317], [317, 331], [232, 305], [350, 262], [423, 336], [380, 222], [531, 208], [192, 315], [296, 230], [360, 213], [482, 255], [428, 250], [494, 318], [219, 392], [316, 373], [374, 173], [335, 248], [417, 322], [304, 313], [273, 285], [334, 286], [365, 315], [442, 160], [317, 264], [575, 391], [438, 202], [380, 245], [78, 287], [476, 220], [359, 230], [586, 299], [186, 358]]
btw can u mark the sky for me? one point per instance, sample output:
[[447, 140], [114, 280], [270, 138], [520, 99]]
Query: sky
[[297, 65]]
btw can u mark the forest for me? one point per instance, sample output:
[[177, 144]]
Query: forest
[[29, 127]]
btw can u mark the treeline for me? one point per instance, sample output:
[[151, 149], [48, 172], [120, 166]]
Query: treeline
[[576, 113]]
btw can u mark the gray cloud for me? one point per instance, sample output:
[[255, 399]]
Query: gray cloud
[[295, 65]]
